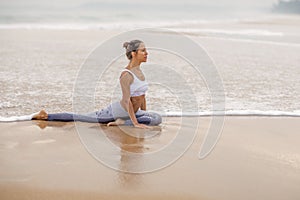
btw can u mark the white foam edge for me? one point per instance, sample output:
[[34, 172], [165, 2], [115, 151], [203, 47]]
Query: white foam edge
[[273, 113], [18, 118], [231, 113]]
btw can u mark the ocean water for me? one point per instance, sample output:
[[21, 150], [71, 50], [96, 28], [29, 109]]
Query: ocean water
[[256, 54]]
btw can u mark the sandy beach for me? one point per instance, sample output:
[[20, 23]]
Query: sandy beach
[[255, 158]]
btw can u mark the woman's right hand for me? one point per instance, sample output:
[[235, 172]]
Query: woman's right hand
[[143, 126]]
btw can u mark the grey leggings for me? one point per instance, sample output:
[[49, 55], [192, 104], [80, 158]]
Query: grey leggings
[[109, 114]]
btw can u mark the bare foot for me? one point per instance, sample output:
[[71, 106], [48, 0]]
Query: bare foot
[[117, 122], [42, 115]]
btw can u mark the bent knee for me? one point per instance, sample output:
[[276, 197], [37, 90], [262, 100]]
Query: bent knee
[[156, 119]]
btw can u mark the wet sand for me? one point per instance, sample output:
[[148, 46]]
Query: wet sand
[[255, 158]]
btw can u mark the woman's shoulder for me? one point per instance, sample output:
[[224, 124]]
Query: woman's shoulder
[[126, 74]]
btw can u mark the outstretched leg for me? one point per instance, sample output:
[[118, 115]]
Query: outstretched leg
[[68, 117], [103, 116]]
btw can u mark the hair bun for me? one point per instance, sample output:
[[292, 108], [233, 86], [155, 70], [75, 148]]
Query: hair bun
[[125, 45], [131, 46]]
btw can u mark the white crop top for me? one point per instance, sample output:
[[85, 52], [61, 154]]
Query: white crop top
[[137, 87]]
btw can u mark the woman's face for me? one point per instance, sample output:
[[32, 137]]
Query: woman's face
[[141, 53]]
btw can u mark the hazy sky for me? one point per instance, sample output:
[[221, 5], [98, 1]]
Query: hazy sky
[[238, 3], [11, 9]]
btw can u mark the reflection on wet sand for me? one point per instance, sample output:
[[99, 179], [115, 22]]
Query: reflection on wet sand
[[130, 151], [42, 124], [127, 142], [128, 138]]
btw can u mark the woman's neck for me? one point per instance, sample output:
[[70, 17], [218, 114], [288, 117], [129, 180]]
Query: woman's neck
[[134, 64]]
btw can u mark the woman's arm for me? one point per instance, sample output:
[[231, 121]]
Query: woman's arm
[[125, 81]]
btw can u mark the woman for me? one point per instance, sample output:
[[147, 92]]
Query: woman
[[131, 110]]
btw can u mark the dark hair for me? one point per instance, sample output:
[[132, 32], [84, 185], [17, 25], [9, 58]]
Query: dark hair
[[131, 46]]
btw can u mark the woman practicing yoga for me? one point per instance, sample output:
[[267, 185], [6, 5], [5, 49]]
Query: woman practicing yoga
[[131, 110]]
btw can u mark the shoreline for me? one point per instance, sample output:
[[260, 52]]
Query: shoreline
[[255, 157], [231, 113]]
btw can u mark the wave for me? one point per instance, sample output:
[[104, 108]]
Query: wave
[[245, 32], [124, 25], [68, 26], [132, 24], [166, 26]]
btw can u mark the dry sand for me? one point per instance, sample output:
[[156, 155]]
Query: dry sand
[[255, 158]]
